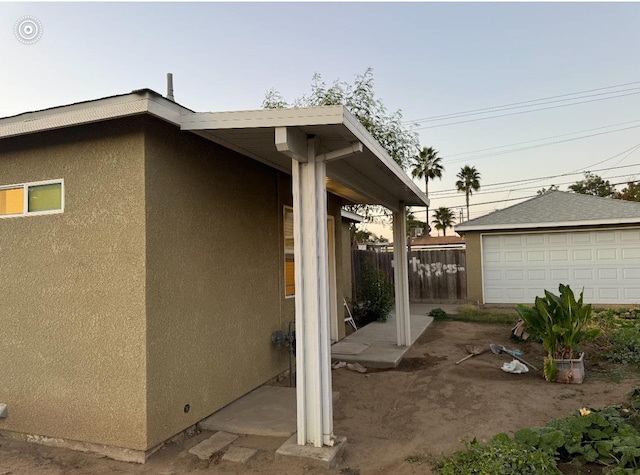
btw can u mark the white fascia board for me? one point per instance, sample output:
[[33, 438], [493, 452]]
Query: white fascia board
[[298, 117], [89, 112], [363, 135], [348, 215], [560, 224]]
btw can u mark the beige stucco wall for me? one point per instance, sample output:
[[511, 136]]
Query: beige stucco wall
[[473, 256], [159, 286], [72, 357], [214, 277]]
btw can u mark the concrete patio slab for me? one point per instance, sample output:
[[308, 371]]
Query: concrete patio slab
[[380, 338], [321, 456], [239, 454], [268, 410], [218, 441], [349, 347]]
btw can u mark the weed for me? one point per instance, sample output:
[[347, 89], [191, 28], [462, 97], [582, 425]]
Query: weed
[[501, 455], [625, 345], [438, 314], [420, 459], [471, 313], [576, 393]]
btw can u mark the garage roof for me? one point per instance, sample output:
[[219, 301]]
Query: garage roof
[[557, 209]]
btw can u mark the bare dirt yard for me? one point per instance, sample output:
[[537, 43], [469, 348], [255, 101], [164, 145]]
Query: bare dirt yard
[[425, 406]]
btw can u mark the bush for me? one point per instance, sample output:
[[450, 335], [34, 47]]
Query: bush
[[500, 456], [374, 295], [605, 436], [438, 314]]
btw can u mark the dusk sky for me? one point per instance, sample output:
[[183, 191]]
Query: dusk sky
[[564, 77]]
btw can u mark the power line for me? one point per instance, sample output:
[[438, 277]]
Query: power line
[[541, 139], [521, 102], [533, 180], [531, 147], [522, 112]]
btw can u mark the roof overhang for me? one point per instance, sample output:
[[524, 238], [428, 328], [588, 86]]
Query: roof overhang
[[462, 228], [358, 168], [367, 175], [143, 101]]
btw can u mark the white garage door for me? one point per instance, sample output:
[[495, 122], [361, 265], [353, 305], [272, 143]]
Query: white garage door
[[518, 267]]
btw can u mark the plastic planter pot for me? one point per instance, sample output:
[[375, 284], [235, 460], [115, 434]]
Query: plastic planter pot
[[570, 371]]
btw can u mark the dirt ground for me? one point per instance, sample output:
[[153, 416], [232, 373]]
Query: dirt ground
[[425, 406]]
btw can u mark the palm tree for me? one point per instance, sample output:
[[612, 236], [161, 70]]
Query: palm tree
[[427, 165], [468, 182], [443, 218]]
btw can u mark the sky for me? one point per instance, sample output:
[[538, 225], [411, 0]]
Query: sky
[[535, 93]]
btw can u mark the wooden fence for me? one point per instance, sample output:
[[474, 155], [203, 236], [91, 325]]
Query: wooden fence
[[437, 274]]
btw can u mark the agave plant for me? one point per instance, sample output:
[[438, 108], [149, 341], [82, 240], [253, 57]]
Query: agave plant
[[560, 323]]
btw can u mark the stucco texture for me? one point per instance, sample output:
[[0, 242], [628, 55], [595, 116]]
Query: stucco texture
[[72, 310], [214, 277], [157, 289], [474, 266]]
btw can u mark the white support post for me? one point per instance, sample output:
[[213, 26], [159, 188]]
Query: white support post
[[401, 277], [313, 366]]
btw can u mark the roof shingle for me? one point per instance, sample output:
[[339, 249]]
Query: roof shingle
[[557, 209]]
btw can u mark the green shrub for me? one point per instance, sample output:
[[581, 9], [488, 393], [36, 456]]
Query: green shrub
[[374, 295], [438, 314], [500, 456], [604, 436], [561, 323]]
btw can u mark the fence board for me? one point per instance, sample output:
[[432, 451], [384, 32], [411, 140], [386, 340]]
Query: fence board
[[435, 274]]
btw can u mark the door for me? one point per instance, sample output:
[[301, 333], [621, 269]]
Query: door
[[520, 266]]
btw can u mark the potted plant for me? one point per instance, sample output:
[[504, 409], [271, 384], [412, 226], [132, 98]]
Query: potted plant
[[560, 323]]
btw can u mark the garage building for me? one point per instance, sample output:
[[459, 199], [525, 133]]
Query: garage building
[[585, 241]]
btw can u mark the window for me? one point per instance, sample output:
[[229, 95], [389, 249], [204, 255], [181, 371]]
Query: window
[[44, 197], [289, 261]]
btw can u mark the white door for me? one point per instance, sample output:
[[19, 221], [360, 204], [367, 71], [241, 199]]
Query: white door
[[518, 267]]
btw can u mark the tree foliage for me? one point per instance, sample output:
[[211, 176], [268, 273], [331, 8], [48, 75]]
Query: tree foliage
[[629, 193], [363, 236], [374, 295], [543, 191], [413, 223], [593, 185], [386, 127], [428, 166], [468, 182], [443, 218]]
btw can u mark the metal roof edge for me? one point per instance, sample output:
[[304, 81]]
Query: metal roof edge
[[356, 127], [289, 117], [97, 110], [554, 224]]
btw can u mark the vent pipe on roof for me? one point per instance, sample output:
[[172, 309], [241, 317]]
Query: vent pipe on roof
[[170, 87]]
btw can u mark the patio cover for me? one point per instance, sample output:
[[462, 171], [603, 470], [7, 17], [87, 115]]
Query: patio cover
[[324, 149], [366, 175]]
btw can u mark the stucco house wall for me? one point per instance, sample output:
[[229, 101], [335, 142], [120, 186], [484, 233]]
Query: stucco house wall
[[73, 359], [157, 288], [473, 256], [214, 282]]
